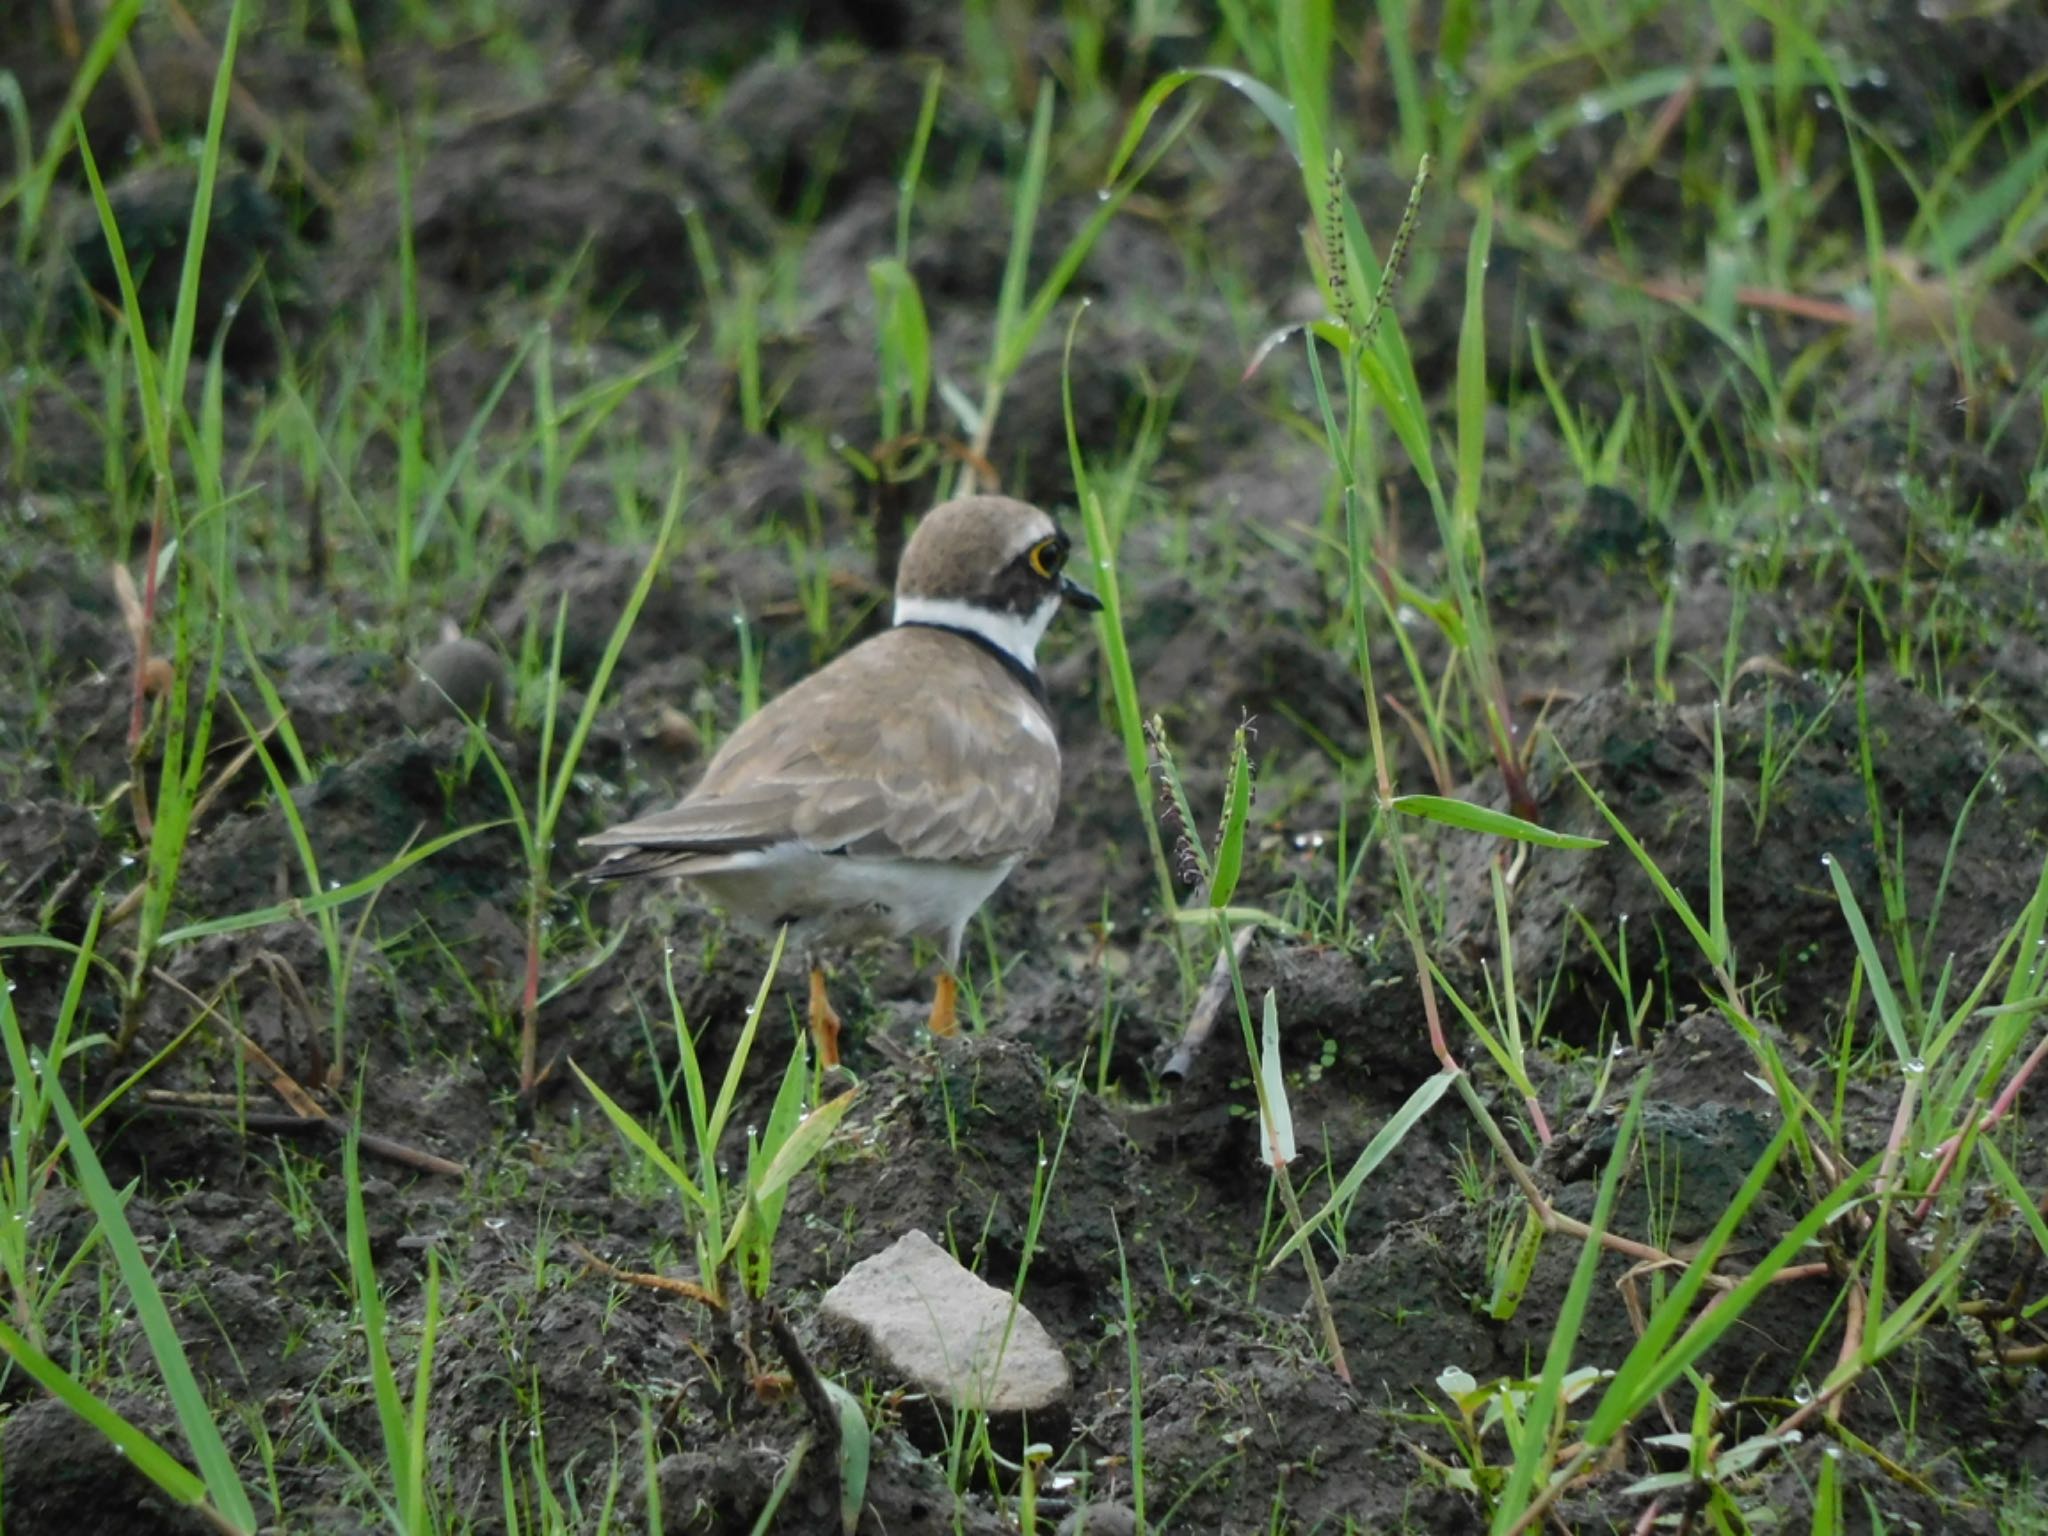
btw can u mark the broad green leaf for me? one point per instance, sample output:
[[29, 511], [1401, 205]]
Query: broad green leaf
[[855, 1445], [1237, 807], [1468, 817], [790, 1159], [1274, 1109]]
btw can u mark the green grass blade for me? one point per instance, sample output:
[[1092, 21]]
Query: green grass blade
[[790, 1159], [1023, 221], [544, 823], [1275, 1113], [184, 318], [369, 1299], [856, 1442], [1471, 391], [209, 1451], [177, 1481], [340, 896], [1626, 1396], [1478, 818], [1532, 1445], [641, 1142], [736, 1063], [413, 1495], [1873, 964], [1641, 1379], [1237, 806], [156, 429], [1678, 904], [1388, 1137], [35, 187], [1275, 108]]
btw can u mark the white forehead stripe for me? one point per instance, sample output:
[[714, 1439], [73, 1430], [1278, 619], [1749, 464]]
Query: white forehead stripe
[[1015, 635]]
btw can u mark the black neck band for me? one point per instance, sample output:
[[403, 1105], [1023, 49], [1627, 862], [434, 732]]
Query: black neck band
[[1025, 675]]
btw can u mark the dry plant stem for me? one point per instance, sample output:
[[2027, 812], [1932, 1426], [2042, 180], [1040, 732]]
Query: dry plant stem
[[1315, 1277], [1208, 1006], [1439, 772], [1852, 1337], [138, 696], [1630, 159], [307, 1114], [668, 1285], [2000, 1108], [137, 90], [2024, 1354], [824, 1417], [1569, 1226], [1895, 1144], [282, 1082], [328, 1128]]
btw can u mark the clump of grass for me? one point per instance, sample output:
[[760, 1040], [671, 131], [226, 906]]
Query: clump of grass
[[216, 1492], [555, 775], [733, 1222]]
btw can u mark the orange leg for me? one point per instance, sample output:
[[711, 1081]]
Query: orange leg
[[945, 1006], [824, 1021]]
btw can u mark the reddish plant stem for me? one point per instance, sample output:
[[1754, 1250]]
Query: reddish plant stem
[[2000, 1107], [141, 688], [139, 694], [1895, 1144]]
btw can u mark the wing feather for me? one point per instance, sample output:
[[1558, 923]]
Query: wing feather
[[966, 769]]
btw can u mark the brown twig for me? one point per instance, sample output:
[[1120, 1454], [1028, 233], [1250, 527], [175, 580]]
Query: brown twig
[[668, 1285], [329, 1127], [307, 1114], [809, 1385], [1439, 770], [1208, 1006], [1632, 156]]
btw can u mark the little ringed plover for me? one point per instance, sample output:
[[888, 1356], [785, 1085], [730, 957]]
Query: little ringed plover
[[890, 793]]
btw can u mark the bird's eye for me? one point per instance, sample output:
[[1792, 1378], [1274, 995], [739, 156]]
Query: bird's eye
[[1047, 557]]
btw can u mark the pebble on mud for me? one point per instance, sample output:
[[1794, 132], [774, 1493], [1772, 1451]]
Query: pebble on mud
[[936, 1325], [458, 677], [1100, 1520]]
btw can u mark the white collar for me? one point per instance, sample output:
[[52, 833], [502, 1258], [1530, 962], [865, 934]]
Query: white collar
[[1016, 637]]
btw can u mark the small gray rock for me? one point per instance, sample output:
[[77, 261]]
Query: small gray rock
[[1100, 1520], [454, 678], [935, 1325]]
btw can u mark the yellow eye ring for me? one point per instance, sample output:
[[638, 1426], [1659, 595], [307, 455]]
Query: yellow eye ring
[[1047, 557]]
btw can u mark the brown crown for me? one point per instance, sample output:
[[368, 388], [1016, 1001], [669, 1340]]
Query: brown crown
[[963, 544]]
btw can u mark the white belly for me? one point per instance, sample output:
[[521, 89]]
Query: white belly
[[831, 900]]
